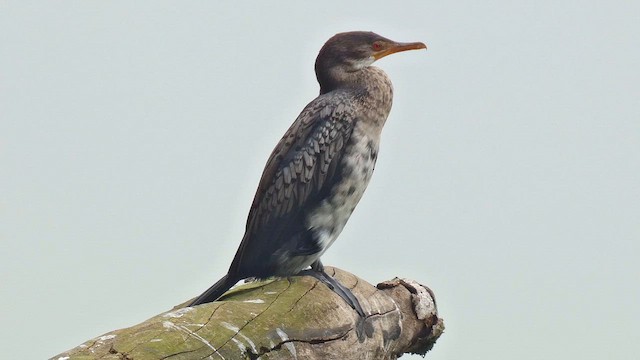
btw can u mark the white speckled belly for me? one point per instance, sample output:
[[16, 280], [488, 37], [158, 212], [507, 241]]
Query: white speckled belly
[[357, 165]]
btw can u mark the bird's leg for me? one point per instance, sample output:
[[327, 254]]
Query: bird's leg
[[317, 266], [317, 271]]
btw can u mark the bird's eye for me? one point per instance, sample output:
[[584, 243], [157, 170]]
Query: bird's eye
[[377, 46]]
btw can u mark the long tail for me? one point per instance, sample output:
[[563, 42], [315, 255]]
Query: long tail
[[215, 291]]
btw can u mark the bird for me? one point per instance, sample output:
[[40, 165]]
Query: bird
[[319, 170]]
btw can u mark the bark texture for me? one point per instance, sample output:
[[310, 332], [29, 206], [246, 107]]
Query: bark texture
[[290, 318]]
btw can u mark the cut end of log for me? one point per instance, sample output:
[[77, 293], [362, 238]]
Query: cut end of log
[[423, 304]]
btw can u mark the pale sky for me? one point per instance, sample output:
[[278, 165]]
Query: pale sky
[[133, 135]]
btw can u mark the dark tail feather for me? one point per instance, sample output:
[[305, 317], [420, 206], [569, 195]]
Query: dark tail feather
[[215, 291]]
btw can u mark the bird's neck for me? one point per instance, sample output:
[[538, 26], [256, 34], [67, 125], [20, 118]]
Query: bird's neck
[[371, 88], [365, 79], [377, 97]]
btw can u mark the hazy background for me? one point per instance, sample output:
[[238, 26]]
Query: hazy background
[[133, 135]]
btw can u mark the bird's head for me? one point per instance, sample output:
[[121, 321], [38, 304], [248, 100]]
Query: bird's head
[[353, 51]]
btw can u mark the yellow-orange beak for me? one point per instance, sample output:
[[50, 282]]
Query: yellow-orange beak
[[397, 47]]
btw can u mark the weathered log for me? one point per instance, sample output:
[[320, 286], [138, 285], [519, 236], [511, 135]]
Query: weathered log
[[289, 318]]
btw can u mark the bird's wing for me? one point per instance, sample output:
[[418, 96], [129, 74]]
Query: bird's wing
[[298, 173]]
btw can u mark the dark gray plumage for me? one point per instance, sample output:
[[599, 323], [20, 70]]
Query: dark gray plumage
[[319, 170]]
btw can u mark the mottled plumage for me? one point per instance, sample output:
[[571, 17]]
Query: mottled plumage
[[320, 168]]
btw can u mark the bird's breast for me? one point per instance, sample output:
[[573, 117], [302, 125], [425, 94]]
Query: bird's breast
[[355, 169]]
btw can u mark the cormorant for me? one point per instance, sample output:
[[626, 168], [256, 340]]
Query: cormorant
[[320, 168]]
